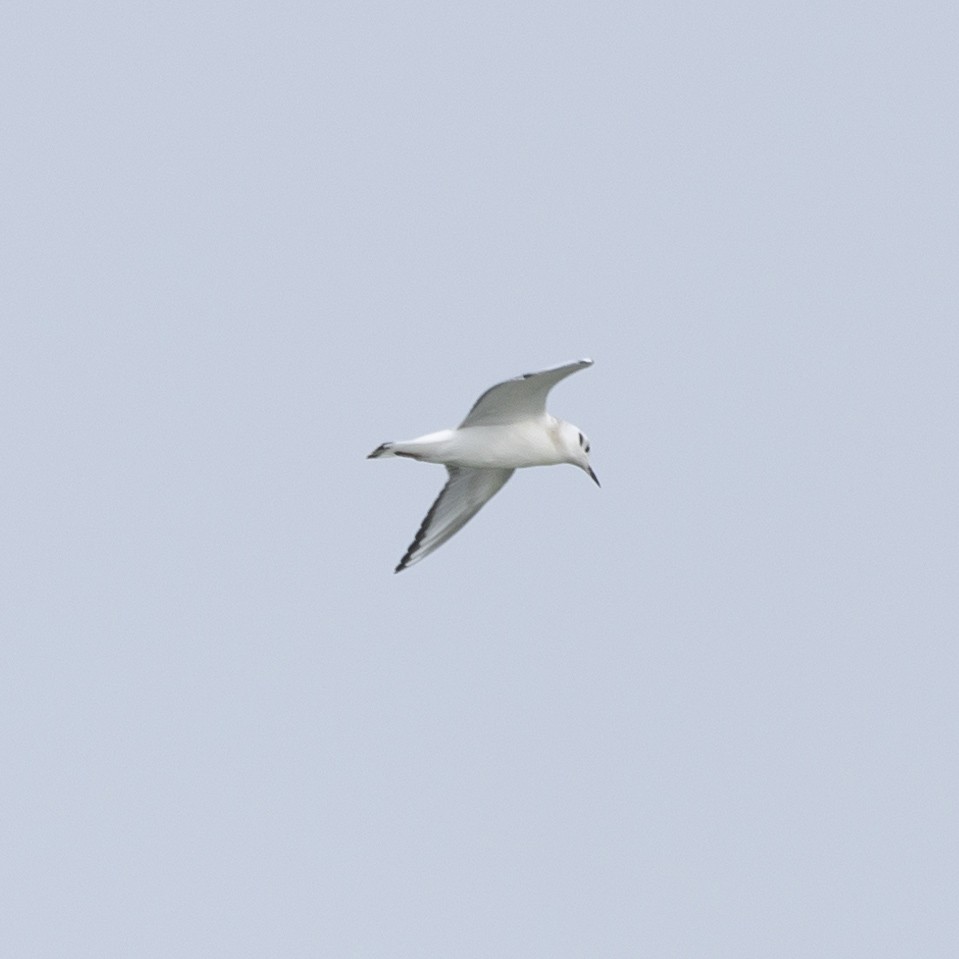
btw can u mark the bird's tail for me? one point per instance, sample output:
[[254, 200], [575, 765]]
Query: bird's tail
[[384, 449]]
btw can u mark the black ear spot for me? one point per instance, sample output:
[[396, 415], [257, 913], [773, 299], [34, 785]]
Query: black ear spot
[[582, 442]]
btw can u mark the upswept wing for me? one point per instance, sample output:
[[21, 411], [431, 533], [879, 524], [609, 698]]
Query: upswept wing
[[466, 492], [520, 398]]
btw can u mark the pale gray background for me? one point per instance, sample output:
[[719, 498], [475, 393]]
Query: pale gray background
[[709, 710]]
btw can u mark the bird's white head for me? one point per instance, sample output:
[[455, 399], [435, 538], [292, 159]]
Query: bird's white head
[[576, 447]]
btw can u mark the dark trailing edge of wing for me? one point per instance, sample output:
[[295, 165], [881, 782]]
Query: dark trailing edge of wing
[[421, 532]]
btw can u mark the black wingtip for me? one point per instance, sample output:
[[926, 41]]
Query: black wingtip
[[404, 563]]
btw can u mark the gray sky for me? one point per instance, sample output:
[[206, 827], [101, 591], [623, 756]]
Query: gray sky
[[708, 710]]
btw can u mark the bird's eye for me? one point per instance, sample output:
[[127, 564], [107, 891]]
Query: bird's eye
[[587, 447]]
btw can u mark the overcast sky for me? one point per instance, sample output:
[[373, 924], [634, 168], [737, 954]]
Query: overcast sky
[[708, 710]]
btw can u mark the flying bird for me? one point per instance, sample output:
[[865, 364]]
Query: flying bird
[[508, 428]]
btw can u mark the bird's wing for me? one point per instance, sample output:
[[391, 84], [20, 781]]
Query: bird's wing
[[466, 492], [520, 398]]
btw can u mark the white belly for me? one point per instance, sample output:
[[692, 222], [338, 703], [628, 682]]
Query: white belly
[[512, 446]]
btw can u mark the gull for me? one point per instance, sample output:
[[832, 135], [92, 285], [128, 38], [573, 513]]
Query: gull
[[508, 428]]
